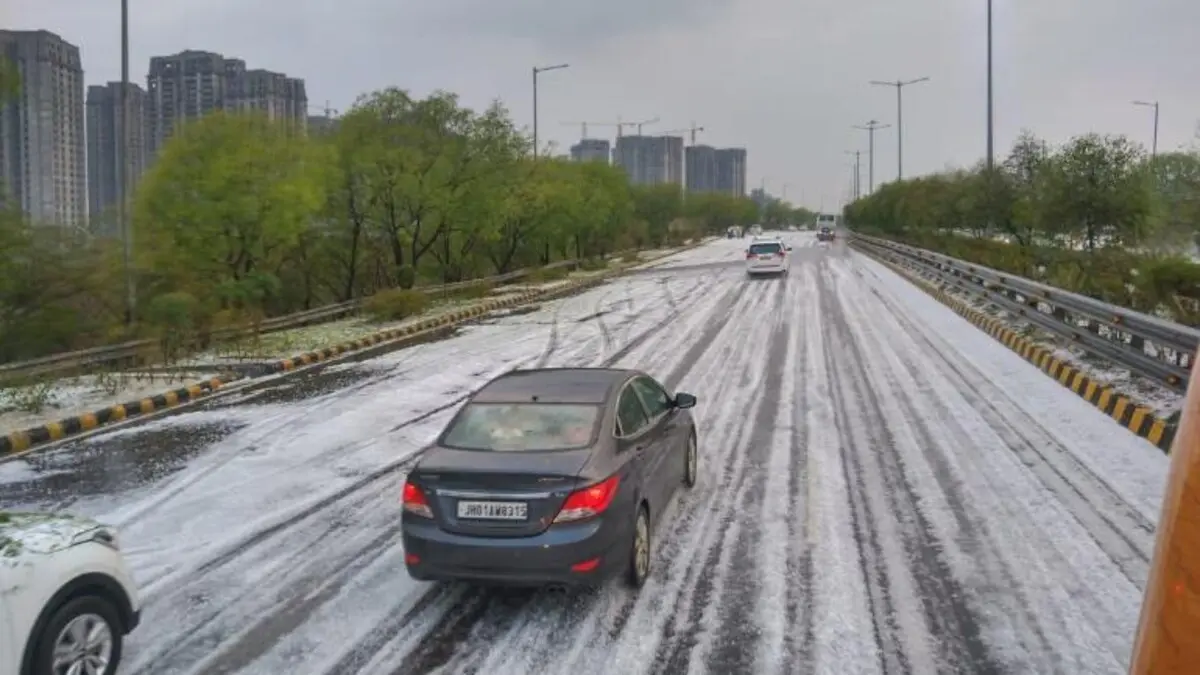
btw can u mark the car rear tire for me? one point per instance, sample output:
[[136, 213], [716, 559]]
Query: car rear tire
[[691, 462], [639, 550], [86, 629]]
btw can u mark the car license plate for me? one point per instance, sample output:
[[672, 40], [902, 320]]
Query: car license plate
[[493, 510]]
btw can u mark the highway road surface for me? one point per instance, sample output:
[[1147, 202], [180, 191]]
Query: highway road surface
[[883, 489]]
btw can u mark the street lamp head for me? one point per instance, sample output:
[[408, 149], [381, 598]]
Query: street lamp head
[[557, 67], [1147, 103]]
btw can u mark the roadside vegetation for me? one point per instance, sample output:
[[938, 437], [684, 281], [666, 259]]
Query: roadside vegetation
[[241, 219], [1096, 215]]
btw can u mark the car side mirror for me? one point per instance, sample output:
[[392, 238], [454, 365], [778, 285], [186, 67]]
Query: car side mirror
[[789, 248], [684, 400]]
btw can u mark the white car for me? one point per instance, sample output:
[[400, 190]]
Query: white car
[[66, 597], [768, 256]]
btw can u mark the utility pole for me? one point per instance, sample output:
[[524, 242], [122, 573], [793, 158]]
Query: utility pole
[[899, 85], [125, 192], [871, 127], [536, 70], [1152, 104]]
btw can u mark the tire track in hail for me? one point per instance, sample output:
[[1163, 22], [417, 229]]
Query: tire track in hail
[[671, 316], [690, 358], [738, 625], [983, 550], [711, 520], [798, 643], [949, 621], [1012, 522], [866, 539], [1120, 544]]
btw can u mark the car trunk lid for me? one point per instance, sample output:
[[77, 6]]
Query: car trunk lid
[[488, 493]]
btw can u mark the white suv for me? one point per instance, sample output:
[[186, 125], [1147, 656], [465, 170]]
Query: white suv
[[767, 256], [66, 596]]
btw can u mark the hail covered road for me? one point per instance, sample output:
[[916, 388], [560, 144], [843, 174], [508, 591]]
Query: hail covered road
[[883, 489]]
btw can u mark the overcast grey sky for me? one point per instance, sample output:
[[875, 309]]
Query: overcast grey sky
[[787, 79]]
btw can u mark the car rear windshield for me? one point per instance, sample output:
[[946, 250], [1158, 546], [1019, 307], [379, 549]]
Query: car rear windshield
[[522, 427], [766, 248]]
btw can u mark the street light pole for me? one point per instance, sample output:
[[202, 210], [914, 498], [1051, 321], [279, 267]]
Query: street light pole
[[991, 149], [1152, 104], [537, 70], [899, 85], [124, 192], [871, 127], [857, 182]]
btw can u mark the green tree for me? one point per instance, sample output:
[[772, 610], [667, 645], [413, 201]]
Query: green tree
[[1175, 178], [230, 196], [1098, 192]]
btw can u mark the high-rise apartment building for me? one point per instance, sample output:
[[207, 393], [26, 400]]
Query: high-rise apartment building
[[42, 152], [281, 98], [591, 150], [651, 160], [731, 171], [701, 164], [105, 155], [191, 84]]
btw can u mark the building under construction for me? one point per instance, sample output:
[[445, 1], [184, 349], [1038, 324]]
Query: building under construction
[[650, 160], [591, 150]]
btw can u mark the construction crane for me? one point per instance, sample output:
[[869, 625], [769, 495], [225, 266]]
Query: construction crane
[[621, 125], [690, 130], [584, 126]]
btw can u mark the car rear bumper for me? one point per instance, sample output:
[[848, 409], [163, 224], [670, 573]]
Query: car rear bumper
[[766, 269], [542, 559]]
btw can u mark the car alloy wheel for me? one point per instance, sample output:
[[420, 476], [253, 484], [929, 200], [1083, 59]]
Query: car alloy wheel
[[83, 647], [639, 563], [691, 462]]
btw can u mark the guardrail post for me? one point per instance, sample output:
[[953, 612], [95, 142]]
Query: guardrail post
[[1168, 637]]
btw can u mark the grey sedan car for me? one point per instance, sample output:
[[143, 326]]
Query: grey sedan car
[[550, 477]]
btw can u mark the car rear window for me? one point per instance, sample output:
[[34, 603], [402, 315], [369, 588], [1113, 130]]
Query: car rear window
[[765, 248], [522, 427]]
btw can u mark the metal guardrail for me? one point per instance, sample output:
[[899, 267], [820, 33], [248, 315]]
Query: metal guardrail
[[137, 352], [1149, 346]]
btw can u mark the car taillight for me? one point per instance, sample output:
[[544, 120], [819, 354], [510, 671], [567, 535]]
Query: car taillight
[[749, 255], [415, 502], [588, 502], [781, 254]]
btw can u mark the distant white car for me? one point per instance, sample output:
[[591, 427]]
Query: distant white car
[[66, 596], [768, 256]]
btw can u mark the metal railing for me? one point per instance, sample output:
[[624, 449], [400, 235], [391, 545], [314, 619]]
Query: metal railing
[[1147, 345], [141, 352]]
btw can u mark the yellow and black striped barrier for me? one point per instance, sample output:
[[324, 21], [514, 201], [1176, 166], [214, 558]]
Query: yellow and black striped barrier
[[1137, 418], [20, 441], [26, 439]]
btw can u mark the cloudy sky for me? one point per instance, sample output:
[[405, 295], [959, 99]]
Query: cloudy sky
[[787, 79]]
